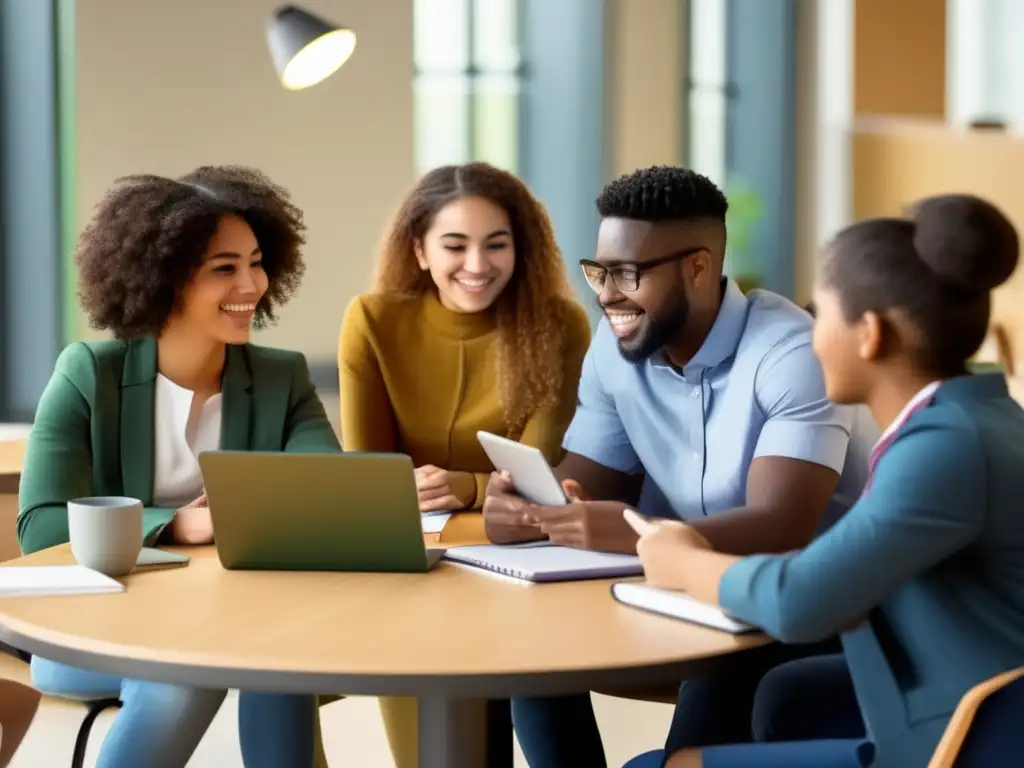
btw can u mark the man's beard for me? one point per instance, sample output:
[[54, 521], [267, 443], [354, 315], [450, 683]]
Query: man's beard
[[661, 329]]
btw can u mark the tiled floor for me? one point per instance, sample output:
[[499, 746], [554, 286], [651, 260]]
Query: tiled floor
[[353, 734]]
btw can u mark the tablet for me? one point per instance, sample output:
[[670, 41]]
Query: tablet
[[531, 474], [152, 559]]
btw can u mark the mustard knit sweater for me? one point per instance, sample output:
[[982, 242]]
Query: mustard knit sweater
[[420, 379]]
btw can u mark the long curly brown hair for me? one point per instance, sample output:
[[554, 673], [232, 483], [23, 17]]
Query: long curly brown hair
[[533, 310], [148, 235]]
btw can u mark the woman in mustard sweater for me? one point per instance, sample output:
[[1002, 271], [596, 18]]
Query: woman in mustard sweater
[[471, 325]]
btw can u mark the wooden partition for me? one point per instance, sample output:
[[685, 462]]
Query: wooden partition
[[897, 162], [899, 61], [12, 453]]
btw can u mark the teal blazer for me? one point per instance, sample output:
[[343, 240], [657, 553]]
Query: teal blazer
[[925, 572], [93, 430]]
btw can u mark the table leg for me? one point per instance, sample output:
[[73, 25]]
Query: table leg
[[452, 732], [500, 750]]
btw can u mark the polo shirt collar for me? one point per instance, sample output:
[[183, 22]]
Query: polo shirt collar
[[724, 338]]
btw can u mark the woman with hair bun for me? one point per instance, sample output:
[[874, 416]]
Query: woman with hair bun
[[924, 576]]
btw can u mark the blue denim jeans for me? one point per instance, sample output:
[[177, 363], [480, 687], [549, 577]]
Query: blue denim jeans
[[160, 725]]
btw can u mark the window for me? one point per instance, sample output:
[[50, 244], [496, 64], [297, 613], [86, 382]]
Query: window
[[709, 91], [742, 100], [467, 82], [30, 197], [985, 72]]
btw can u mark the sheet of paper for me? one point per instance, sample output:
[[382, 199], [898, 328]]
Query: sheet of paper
[[434, 522], [37, 581]]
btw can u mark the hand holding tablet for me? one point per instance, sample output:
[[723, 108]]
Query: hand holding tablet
[[530, 473]]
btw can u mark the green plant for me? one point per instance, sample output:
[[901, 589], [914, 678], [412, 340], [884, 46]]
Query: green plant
[[745, 211]]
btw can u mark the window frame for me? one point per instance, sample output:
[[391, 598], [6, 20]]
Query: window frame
[[471, 73]]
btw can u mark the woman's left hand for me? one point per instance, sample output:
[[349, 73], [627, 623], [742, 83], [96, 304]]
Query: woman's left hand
[[192, 523], [441, 489], [663, 547]]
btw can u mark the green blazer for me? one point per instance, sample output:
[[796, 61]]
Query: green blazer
[[93, 431]]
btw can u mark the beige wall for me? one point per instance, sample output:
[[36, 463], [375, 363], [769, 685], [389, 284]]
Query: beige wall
[[646, 84], [896, 162], [855, 58], [166, 86]]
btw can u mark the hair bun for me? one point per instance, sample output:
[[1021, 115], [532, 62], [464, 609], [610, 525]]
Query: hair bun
[[967, 242]]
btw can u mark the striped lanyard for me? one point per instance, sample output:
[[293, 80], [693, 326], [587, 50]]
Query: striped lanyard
[[921, 400]]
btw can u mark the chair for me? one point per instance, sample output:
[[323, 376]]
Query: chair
[[833, 753], [95, 708], [984, 729], [14, 666], [14, 663], [986, 725]]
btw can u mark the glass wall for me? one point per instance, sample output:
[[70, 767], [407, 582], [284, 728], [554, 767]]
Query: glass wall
[[742, 127], [709, 88], [467, 82], [32, 270], [474, 101]]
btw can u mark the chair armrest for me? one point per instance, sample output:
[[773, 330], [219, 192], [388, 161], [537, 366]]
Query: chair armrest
[[960, 723]]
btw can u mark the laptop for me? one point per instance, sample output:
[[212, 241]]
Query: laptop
[[316, 512]]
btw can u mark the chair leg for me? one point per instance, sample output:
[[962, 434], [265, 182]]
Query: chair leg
[[95, 708]]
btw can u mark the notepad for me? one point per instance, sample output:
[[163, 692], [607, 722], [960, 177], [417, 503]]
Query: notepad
[[677, 605], [39, 581], [543, 562], [434, 522]]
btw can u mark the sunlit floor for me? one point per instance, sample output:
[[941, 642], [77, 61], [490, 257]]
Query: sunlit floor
[[353, 734]]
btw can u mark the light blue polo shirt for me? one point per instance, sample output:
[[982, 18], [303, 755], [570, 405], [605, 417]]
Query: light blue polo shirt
[[754, 388]]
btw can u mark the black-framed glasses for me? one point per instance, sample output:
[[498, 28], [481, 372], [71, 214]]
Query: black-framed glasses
[[626, 276]]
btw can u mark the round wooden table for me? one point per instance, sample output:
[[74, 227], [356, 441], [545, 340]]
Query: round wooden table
[[449, 637]]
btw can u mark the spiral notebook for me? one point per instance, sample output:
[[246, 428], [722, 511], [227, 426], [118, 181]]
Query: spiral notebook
[[541, 562], [677, 605]]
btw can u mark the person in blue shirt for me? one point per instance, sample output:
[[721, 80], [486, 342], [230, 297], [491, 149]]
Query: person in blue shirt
[[696, 402], [924, 576]]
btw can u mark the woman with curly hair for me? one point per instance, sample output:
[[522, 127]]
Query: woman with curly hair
[[471, 325], [179, 271]]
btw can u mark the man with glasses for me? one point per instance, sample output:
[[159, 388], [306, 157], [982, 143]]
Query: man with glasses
[[696, 402]]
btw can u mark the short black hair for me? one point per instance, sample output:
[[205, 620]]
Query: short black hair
[[938, 266], [148, 236], [663, 193]]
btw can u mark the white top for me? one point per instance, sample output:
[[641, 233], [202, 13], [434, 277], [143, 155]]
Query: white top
[[181, 432]]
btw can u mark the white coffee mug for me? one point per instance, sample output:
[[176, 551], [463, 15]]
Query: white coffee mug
[[106, 533]]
